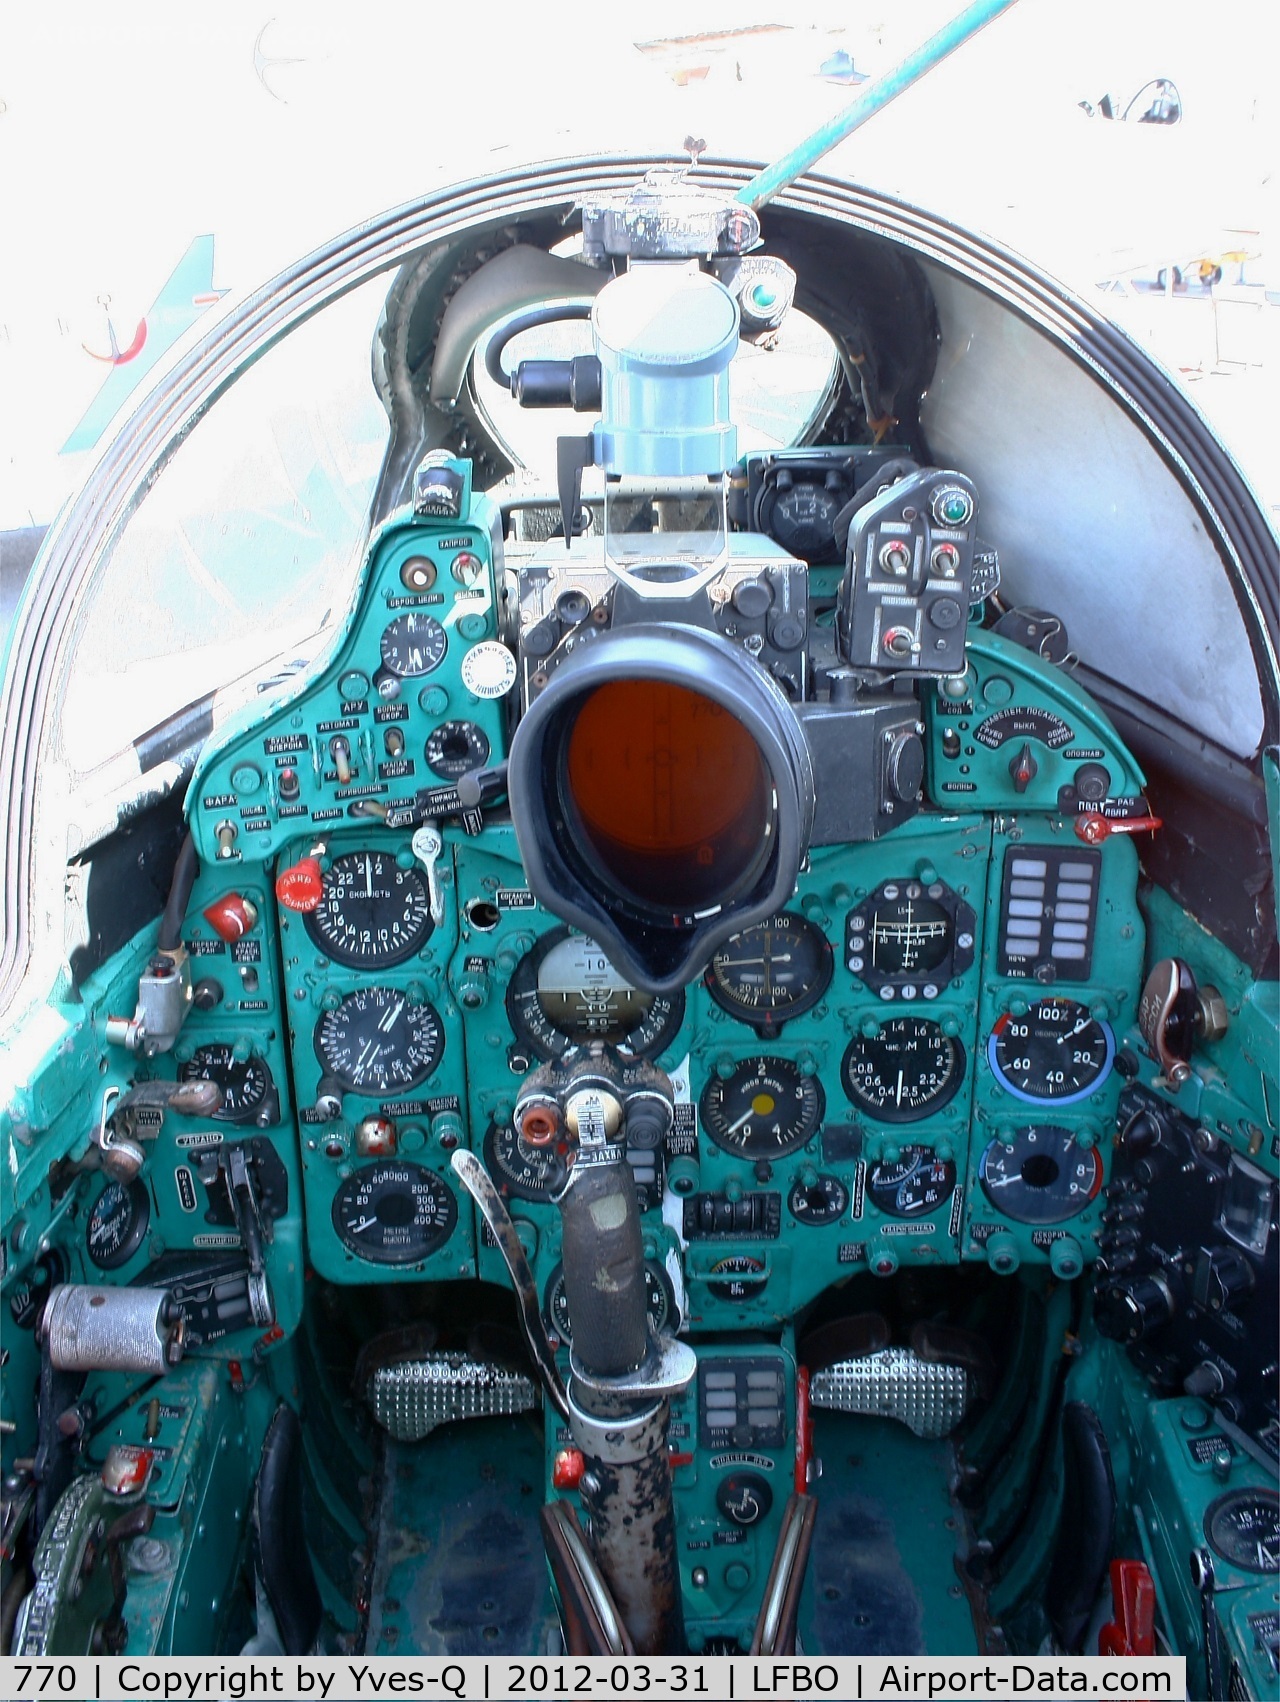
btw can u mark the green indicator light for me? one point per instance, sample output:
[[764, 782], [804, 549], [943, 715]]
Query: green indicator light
[[955, 508], [763, 296]]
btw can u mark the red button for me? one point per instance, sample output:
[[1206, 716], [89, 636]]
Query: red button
[[302, 886], [567, 1468]]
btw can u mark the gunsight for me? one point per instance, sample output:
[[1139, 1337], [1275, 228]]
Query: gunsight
[[688, 732]]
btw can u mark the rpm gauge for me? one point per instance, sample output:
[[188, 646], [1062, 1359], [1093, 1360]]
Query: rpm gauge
[[907, 1070], [1056, 1051], [564, 992], [372, 913], [1041, 1176], [394, 1213], [771, 972], [376, 1041], [764, 1108], [413, 645], [248, 1092]]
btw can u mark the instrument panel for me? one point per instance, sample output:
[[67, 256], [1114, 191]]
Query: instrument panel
[[915, 1061]]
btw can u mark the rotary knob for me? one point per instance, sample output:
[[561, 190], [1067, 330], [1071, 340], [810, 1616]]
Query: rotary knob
[[1141, 1306]]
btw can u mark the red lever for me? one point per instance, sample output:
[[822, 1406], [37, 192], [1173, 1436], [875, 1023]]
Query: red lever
[[1133, 1602], [231, 916], [804, 1431], [1093, 829], [302, 886]]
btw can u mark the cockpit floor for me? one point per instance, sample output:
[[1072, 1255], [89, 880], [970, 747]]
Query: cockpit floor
[[458, 1565], [881, 1577]]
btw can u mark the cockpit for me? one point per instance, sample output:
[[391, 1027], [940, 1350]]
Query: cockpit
[[661, 1035]]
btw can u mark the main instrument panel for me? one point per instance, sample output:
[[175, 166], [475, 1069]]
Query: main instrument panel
[[916, 1061]]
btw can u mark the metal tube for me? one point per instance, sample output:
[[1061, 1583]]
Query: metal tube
[[868, 101], [110, 1329], [626, 1491]]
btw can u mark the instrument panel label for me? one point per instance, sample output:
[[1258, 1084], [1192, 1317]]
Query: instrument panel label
[[282, 743]]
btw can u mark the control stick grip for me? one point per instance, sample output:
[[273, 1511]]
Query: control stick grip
[[604, 1264]]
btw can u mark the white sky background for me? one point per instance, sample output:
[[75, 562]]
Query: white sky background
[[126, 130]]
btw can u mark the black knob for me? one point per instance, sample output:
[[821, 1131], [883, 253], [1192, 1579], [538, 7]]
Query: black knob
[[1133, 1307], [744, 1497], [1093, 782], [1204, 1382], [1222, 1279], [1144, 1304], [1142, 1133], [1023, 769]]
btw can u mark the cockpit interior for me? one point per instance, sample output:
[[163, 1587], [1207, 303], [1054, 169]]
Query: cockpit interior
[[699, 1071]]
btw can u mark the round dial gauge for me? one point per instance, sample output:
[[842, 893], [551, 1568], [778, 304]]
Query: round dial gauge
[[372, 913], [908, 1070], [455, 748], [564, 991], [771, 972], [916, 1182], [118, 1223], [394, 1213], [764, 1109], [822, 1201], [245, 1082], [413, 645], [738, 1276], [1243, 1527], [1057, 1051], [521, 1171], [803, 519], [658, 1298], [1043, 1176], [376, 1041]]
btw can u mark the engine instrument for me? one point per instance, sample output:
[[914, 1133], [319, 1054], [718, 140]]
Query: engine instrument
[[1243, 1528], [916, 1182], [1057, 1051], [1042, 1176]]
